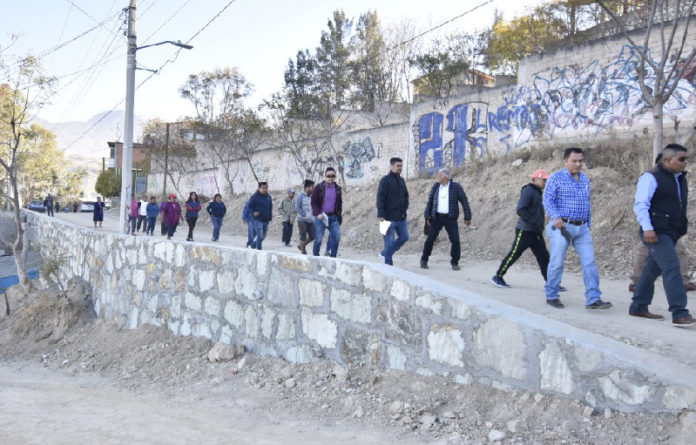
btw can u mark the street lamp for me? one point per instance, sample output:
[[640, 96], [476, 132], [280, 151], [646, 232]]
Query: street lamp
[[127, 157]]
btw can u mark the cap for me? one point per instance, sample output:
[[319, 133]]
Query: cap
[[172, 195], [541, 173], [291, 190]]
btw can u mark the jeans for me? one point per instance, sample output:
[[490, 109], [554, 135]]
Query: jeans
[[170, 230], [582, 241], [151, 221], [334, 235], [524, 240], [287, 232], [250, 233], [391, 242], [131, 221], [49, 210], [191, 221], [217, 224], [662, 259], [436, 225], [260, 230]]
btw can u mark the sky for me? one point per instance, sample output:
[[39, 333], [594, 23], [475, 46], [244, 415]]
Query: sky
[[257, 36]]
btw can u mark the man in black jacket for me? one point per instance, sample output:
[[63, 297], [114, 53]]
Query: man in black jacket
[[441, 211], [529, 230], [660, 207], [392, 203]]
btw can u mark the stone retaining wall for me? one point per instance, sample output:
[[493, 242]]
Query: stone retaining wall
[[355, 313]]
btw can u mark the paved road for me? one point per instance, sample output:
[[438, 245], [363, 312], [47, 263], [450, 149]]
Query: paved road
[[527, 292]]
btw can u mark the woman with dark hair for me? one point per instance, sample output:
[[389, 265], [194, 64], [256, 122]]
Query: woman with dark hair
[[98, 216], [193, 206], [216, 209]]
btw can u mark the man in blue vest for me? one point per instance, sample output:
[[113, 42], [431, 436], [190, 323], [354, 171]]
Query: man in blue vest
[[660, 208]]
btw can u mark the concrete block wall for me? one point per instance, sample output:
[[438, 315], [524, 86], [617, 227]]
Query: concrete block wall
[[356, 314]]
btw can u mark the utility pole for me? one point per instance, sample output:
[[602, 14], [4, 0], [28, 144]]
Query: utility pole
[[166, 162], [103, 165], [127, 157]]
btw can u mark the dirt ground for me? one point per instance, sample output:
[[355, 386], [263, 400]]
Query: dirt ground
[[68, 377]]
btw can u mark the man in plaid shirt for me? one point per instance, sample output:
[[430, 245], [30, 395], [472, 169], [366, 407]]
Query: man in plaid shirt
[[567, 202]]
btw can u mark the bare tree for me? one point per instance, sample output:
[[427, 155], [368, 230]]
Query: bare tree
[[660, 71], [23, 90], [177, 149]]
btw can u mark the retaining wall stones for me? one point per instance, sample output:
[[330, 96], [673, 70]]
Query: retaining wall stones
[[357, 314]]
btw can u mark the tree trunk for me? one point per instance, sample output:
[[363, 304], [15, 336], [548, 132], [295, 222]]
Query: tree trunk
[[658, 128], [19, 246]]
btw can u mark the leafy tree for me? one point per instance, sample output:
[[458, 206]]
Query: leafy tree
[[300, 85], [108, 183], [333, 80], [23, 90], [439, 68], [369, 75]]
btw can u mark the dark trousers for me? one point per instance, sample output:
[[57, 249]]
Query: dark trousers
[[526, 240], [191, 223], [170, 229], [163, 228], [307, 231], [662, 260], [49, 210], [287, 232], [142, 223], [450, 225], [131, 222], [150, 224]]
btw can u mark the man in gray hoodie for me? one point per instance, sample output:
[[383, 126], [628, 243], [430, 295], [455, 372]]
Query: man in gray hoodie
[[305, 220]]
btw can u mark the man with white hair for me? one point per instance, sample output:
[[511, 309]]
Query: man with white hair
[[441, 211]]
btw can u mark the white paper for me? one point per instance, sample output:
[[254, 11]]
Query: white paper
[[325, 219], [384, 226]]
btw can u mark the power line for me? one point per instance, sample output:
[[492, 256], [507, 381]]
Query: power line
[[176, 55], [166, 21], [443, 24], [87, 14]]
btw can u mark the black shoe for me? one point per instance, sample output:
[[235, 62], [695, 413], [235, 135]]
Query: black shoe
[[424, 265], [455, 267], [561, 289], [599, 304], [555, 303]]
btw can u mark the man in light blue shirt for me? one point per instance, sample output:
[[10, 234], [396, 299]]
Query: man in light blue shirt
[[660, 207], [567, 202]]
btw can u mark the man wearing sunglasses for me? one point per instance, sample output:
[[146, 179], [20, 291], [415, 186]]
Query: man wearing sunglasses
[[327, 207], [660, 208]]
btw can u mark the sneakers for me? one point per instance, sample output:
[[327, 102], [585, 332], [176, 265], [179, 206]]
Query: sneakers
[[684, 322], [424, 265], [455, 267], [599, 304], [561, 289], [498, 281], [556, 302]]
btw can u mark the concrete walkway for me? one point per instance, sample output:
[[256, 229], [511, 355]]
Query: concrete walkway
[[660, 337]]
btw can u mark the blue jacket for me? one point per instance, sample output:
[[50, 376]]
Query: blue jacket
[[246, 213], [192, 209], [216, 209], [263, 204], [152, 210]]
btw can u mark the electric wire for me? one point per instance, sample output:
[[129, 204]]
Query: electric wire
[[147, 39], [166, 62]]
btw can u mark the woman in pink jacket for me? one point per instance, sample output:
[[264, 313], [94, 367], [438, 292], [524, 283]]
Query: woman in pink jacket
[[133, 214]]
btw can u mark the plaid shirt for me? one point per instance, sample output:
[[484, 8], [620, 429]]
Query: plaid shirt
[[564, 197]]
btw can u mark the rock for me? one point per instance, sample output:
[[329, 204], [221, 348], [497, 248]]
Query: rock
[[223, 353], [538, 397], [358, 413], [449, 415], [290, 383], [517, 162], [496, 436], [427, 420], [396, 407], [489, 424], [341, 373], [513, 426], [608, 414], [588, 411]]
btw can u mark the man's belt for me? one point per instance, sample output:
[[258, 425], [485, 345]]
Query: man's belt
[[570, 221]]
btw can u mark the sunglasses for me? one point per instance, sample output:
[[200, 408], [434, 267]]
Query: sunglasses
[[330, 176], [682, 159]]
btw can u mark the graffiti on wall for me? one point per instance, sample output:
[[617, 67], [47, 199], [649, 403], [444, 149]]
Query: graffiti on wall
[[207, 185], [568, 100], [357, 153]]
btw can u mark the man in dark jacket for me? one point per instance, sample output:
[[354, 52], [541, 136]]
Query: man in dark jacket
[[327, 207], [529, 230], [261, 208], [392, 203], [441, 211], [660, 207]]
